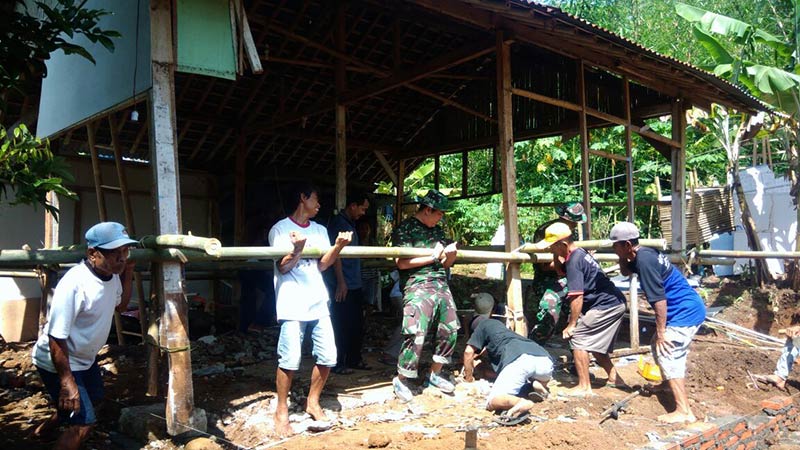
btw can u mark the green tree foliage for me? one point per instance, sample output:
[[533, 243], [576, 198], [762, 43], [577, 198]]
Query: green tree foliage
[[30, 34]]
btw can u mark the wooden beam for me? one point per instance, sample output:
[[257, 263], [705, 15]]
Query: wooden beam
[[419, 71], [505, 132], [584, 138], [180, 413], [678, 176], [91, 129], [608, 155], [386, 166], [547, 100]]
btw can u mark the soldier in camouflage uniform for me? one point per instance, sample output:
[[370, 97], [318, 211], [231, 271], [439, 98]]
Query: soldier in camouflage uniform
[[550, 280], [426, 295]]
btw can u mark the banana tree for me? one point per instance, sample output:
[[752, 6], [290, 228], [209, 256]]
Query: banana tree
[[734, 46]]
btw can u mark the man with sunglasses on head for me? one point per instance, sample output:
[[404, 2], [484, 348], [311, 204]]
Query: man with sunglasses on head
[[80, 319]]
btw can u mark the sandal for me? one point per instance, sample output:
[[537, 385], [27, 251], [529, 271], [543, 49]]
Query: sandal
[[507, 421], [342, 370]]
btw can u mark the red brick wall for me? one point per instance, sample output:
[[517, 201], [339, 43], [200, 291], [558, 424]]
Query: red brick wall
[[779, 415]]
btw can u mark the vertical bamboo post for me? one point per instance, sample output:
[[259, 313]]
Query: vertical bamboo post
[[47, 276], [626, 89], [633, 312], [509, 180], [340, 75], [583, 132], [180, 413], [678, 176]]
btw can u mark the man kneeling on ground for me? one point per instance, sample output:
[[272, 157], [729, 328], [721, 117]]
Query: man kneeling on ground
[[517, 361], [785, 361]]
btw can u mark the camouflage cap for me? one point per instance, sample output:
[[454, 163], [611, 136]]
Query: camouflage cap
[[435, 200], [571, 211]]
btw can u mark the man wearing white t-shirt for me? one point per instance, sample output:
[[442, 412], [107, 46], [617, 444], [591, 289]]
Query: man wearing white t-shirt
[[302, 301], [80, 318]]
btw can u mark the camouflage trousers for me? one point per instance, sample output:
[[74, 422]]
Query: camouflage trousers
[[424, 303], [551, 292]]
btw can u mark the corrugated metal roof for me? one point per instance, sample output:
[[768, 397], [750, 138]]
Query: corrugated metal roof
[[569, 19]]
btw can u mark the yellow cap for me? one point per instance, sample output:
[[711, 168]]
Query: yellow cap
[[554, 233]]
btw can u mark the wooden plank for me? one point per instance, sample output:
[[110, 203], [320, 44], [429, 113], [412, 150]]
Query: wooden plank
[[584, 138], [250, 50], [505, 132], [678, 177], [180, 413]]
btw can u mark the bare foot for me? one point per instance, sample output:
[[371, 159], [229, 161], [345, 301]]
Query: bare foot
[[773, 379], [676, 417], [521, 407], [577, 392], [316, 413], [282, 427]]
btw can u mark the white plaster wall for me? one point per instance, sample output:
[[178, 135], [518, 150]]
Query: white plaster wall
[[773, 212]]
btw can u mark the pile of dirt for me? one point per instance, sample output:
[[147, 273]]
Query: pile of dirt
[[235, 379]]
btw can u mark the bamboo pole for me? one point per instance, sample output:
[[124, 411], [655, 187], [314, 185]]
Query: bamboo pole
[[633, 311], [243, 255], [211, 246], [748, 254], [595, 244]]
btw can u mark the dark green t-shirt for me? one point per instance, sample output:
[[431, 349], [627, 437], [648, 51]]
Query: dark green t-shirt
[[413, 233]]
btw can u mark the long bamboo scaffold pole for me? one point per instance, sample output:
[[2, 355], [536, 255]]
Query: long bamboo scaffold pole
[[256, 255]]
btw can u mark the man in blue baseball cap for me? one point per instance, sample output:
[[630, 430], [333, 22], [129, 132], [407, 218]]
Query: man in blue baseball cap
[[80, 319]]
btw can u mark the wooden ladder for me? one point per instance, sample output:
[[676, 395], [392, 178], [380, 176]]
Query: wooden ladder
[[100, 189]]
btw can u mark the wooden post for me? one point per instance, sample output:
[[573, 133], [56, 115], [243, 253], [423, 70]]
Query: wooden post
[[626, 89], [240, 186], [47, 277], [180, 413], [678, 177], [340, 74], [401, 180], [508, 166], [633, 312], [583, 132]]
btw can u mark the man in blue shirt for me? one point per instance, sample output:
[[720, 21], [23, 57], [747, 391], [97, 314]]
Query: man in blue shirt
[[346, 290], [678, 308]]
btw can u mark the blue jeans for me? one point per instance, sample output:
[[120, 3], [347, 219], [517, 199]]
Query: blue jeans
[[90, 388]]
